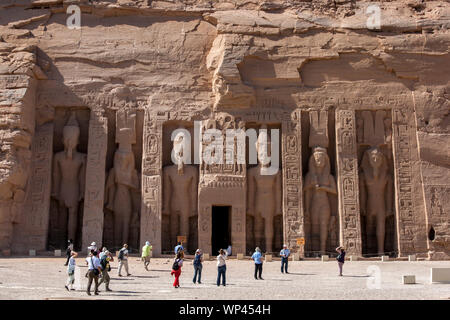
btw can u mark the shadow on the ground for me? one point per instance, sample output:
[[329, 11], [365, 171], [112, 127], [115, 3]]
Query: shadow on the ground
[[365, 276], [302, 274], [127, 278], [146, 277], [157, 270]]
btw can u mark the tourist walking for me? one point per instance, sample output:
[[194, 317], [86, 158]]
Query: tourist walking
[[146, 253], [198, 259], [340, 258], [94, 271], [69, 251], [221, 267], [176, 268], [123, 260], [71, 271], [284, 254], [105, 258], [257, 257], [178, 247]]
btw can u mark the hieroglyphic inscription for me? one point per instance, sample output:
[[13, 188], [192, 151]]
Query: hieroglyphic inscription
[[36, 213], [93, 215], [403, 180], [151, 216], [348, 192], [293, 217]]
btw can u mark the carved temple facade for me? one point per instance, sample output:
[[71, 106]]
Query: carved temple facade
[[87, 136]]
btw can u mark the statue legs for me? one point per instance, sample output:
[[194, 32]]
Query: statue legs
[[323, 235], [268, 233], [370, 234], [259, 230], [174, 226], [381, 225], [122, 214], [315, 231], [72, 222], [184, 227]]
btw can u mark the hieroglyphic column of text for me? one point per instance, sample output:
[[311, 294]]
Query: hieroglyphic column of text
[[347, 182]]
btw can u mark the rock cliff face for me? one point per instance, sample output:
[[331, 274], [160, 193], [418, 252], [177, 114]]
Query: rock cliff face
[[204, 57]]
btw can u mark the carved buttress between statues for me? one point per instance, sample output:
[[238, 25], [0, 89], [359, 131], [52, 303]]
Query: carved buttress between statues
[[264, 195], [180, 183], [69, 171]]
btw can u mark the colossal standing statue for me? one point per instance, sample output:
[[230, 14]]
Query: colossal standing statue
[[375, 185], [264, 194], [180, 191], [69, 173], [318, 184], [122, 178]]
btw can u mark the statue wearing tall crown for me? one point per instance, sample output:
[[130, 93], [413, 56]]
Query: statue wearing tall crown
[[320, 185], [123, 178], [69, 173], [264, 193]]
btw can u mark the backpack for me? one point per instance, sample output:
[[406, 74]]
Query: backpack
[[104, 261], [197, 260], [121, 254], [175, 265]]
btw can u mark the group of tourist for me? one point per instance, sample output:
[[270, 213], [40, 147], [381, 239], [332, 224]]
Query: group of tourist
[[99, 264], [221, 263]]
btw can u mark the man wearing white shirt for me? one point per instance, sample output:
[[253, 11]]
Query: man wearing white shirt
[[94, 270]]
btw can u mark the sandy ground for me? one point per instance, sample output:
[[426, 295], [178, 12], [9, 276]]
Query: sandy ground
[[44, 278]]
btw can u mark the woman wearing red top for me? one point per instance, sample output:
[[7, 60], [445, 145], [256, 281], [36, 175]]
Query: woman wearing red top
[[176, 268]]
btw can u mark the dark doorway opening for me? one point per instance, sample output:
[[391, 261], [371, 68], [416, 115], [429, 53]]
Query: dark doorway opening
[[221, 228]]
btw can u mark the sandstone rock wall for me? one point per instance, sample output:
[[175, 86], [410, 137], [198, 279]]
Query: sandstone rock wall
[[201, 57]]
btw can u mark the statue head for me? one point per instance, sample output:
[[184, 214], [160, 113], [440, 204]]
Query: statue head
[[376, 157], [319, 160], [178, 150], [320, 157], [71, 133], [263, 145]]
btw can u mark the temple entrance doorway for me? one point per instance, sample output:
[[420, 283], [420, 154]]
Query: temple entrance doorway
[[221, 228]]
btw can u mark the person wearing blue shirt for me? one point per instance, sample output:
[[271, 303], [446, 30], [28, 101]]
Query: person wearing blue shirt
[[179, 247], [284, 254], [257, 257]]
